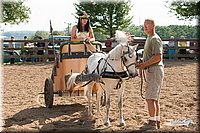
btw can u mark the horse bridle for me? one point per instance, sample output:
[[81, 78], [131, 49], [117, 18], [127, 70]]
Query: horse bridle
[[124, 60]]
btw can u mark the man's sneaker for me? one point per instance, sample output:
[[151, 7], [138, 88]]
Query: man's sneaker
[[151, 125], [158, 124]]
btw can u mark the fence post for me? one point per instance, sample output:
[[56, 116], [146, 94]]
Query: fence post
[[176, 50], [46, 52], [34, 57]]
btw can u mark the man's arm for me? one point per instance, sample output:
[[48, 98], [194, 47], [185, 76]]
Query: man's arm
[[155, 59]]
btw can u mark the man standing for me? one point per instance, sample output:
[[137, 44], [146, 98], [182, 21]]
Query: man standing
[[154, 72], [12, 44], [40, 52]]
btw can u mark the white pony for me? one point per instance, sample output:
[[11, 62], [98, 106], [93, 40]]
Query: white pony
[[114, 67]]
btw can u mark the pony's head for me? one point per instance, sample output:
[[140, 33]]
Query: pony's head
[[129, 59], [121, 37], [127, 55]]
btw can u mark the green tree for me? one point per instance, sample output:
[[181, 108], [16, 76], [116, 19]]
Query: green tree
[[185, 9], [188, 31], [135, 30], [43, 34], [106, 16], [58, 33], [14, 12]]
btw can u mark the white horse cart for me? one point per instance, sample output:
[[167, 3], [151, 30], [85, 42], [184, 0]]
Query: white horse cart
[[72, 58]]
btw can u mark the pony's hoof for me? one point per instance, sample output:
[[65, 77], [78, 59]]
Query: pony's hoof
[[98, 113], [107, 124], [122, 124], [90, 114]]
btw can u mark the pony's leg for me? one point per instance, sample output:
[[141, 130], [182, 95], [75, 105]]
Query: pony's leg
[[99, 94], [120, 104], [107, 121], [89, 96]]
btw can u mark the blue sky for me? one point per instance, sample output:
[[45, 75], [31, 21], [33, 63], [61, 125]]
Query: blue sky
[[61, 12]]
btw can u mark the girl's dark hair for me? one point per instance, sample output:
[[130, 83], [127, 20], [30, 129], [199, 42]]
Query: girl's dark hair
[[79, 26]]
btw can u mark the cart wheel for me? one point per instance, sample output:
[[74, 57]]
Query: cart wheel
[[48, 93]]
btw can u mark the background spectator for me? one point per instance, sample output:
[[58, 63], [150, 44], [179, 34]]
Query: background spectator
[[171, 48], [26, 43], [25, 52], [42, 51], [108, 43], [182, 44], [12, 44]]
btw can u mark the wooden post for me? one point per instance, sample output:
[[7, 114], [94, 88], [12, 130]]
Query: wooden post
[[176, 50], [46, 52]]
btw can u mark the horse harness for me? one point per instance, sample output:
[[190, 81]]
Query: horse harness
[[114, 74]]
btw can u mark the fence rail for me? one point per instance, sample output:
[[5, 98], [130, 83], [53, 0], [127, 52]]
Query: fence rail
[[192, 49]]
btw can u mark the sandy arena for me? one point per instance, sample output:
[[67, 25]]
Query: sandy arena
[[22, 112]]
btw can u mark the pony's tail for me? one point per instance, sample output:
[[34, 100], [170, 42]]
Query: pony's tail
[[70, 81], [85, 71]]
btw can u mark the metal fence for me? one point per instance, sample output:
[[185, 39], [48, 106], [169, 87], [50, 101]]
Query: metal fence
[[30, 53], [189, 51]]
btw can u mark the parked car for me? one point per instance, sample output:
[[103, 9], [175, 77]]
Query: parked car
[[165, 48], [57, 37], [11, 60], [56, 44], [140, 53]]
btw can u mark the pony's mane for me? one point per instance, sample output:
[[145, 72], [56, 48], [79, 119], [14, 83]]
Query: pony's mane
[[121, 37]]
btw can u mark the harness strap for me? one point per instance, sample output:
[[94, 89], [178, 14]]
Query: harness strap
[[113, 70], [119, 84], [98, 65], [123, 61], [91, 81], [87, 83], [113, 75], [130, 65]]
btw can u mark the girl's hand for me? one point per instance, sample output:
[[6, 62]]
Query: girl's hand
[[88, 39]]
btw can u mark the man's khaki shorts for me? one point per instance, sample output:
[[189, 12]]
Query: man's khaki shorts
[[154, 79]]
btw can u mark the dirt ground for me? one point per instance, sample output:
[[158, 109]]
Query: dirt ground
[[22, 111]]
